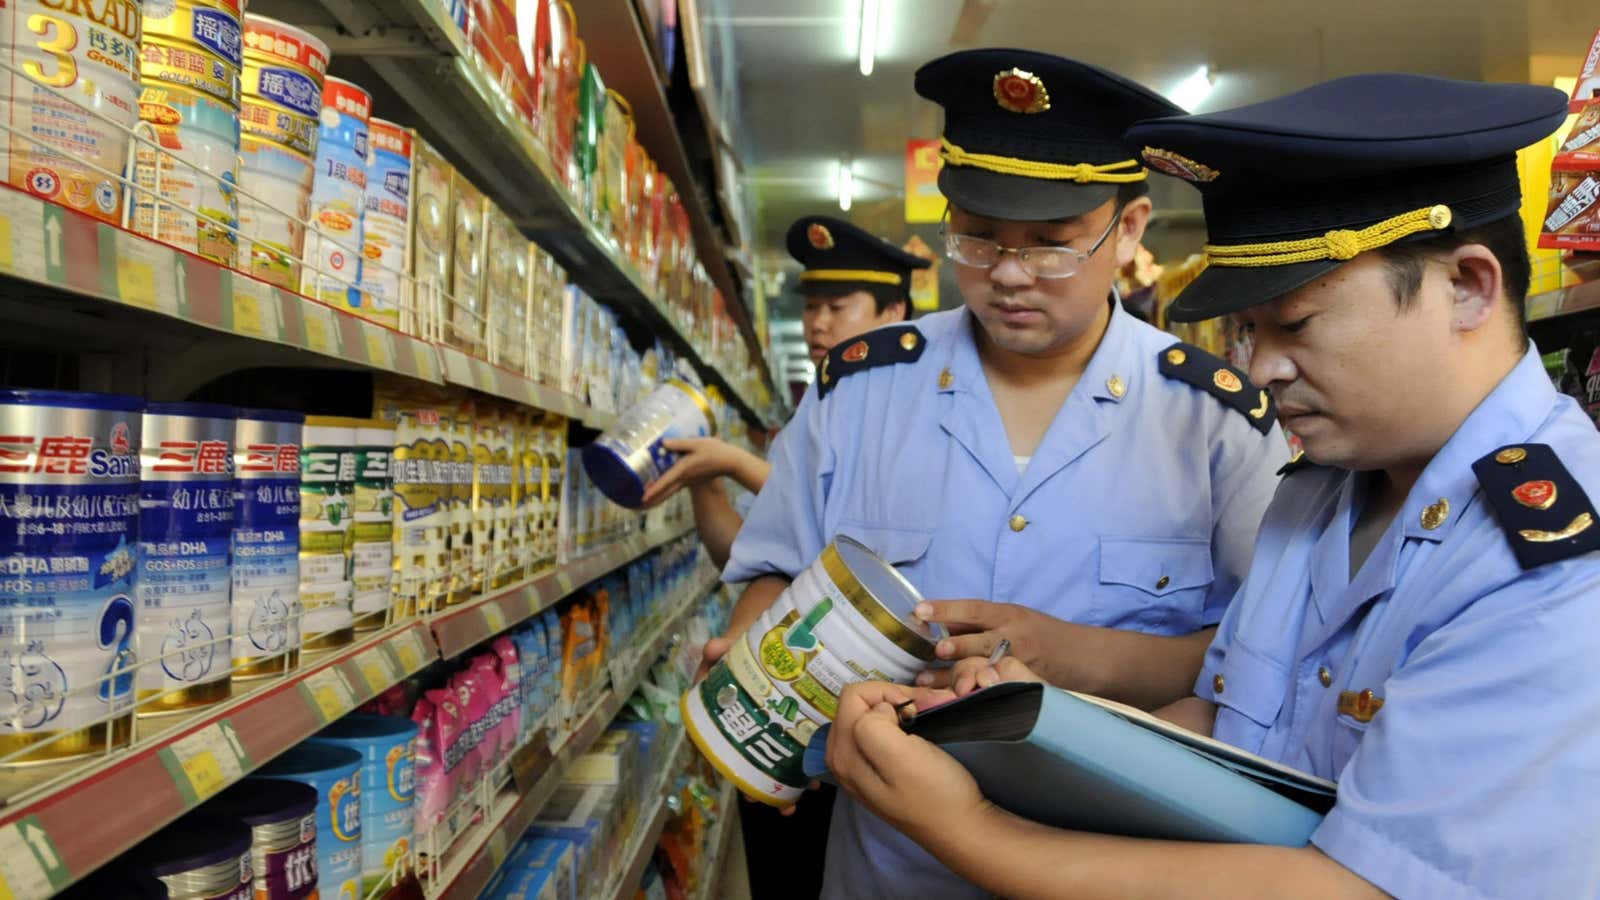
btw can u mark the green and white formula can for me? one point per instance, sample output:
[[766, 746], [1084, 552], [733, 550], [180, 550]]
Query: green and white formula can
[[847, 618]]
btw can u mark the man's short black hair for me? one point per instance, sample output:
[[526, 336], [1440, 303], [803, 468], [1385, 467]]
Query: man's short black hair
[[1130, 191], [1503, 237], [883, 296]]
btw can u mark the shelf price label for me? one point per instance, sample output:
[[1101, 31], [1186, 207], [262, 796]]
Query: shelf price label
[[322, 334], [494, 617], [30, 866], [377, 669], [144, 273], [377, 341], [329, 693], [408, 649], [203, 763], [564, 579]]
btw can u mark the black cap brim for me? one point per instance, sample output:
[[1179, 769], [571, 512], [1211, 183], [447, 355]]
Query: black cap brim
[[994, 195], [1220, 290]]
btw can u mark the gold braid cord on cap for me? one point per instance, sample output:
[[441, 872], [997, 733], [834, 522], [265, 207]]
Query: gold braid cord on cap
[[1083, 173], [1339, 244], [868, 275]]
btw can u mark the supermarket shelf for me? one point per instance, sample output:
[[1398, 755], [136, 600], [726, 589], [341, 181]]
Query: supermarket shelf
[[638, 855], [119, 282], [471, 866], [718, 845], [1570, 300], [377, 44], [471, 372], [129, 278], [620, 48], [464, 627], [77, 823]]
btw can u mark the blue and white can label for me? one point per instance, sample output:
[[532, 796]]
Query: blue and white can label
[[266, 541], [186, 519], [69, 520]]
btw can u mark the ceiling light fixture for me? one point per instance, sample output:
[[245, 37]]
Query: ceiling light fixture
[[1192, 91], [867, 37], [847, 185]]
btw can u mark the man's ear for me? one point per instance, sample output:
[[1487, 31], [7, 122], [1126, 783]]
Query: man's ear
[[1130, 231], [1475, 287]]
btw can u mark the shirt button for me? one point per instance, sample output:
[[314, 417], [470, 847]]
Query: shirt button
[[1325, 676], [1162, 582], [1018, 523], [1216, 683]]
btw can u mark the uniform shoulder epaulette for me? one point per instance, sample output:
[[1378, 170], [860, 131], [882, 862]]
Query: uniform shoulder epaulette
[[878, 347], [1546, 515], [1211, 374], [1296, 463]]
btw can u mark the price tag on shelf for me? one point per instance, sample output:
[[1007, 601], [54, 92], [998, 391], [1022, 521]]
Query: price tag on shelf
[[484, 379], [497, 848], [408, 648], [322, 334], [377, 669], [564, 579], [145, 274], [30, 866], [205, 762], [329, 693], [494, 617], [377, 341]]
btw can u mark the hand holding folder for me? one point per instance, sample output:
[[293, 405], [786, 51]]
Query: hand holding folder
[[1077, 762]]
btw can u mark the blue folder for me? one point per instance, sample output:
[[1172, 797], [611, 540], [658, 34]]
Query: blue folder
[[1073, 762]]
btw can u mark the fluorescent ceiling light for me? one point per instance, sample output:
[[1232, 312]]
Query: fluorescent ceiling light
[[1192, 91], [847, 185], [868, 35]]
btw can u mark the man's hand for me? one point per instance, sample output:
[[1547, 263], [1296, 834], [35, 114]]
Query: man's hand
[[713, 652], [977, 627], [974, 673], [699, 460], [908, 782]]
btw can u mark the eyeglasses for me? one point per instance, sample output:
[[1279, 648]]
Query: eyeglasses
[[1038, 262]]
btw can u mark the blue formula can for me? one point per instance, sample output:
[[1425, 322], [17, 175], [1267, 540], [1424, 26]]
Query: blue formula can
[[629, 457], [388, 786], [338, 196], [266, 542], [336, 774], [69, 539], [186, 510]]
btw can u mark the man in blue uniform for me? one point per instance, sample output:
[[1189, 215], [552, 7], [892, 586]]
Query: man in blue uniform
[[1418, 621], [1095, 483]]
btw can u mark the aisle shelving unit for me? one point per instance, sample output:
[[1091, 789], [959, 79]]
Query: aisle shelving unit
[[417, 64], [539, 766], [718, 845], [61, 810]]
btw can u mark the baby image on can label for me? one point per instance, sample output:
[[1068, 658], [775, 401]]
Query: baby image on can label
[[185, 542], [69, 508]]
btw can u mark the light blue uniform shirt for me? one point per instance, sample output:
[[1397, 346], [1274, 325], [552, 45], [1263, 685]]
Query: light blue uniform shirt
[[1138, 510], [1477, 777]]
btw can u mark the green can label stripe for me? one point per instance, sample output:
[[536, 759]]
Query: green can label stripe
[[757, 734]]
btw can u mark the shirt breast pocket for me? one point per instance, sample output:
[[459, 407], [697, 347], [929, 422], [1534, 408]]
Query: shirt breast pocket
[[1248, 691], [1155, 585], [899, 547]]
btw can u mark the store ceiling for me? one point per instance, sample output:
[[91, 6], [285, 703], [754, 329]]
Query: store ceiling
[[806, 105]]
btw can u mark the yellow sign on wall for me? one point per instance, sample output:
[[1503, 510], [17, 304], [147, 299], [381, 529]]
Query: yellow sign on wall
[[924, 203]]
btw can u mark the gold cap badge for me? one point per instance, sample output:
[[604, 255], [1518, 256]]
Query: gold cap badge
[[1020, 92], [819, 236], [1178, 166]]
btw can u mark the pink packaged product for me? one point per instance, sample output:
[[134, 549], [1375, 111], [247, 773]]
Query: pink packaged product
[[510, 666], [472, 691], [434, 786], [393, 702], [486, 669]]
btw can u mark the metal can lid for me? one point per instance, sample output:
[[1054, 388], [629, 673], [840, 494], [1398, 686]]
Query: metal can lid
[[194, 410], [272, 415], [880, 593], [74, 399], [194, 842], [265, 801]]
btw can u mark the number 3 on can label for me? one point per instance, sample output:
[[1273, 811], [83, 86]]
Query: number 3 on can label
[[58, 39]]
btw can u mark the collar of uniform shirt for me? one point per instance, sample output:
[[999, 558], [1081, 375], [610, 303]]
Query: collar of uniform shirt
[[1113, 357], [1497, 421]]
